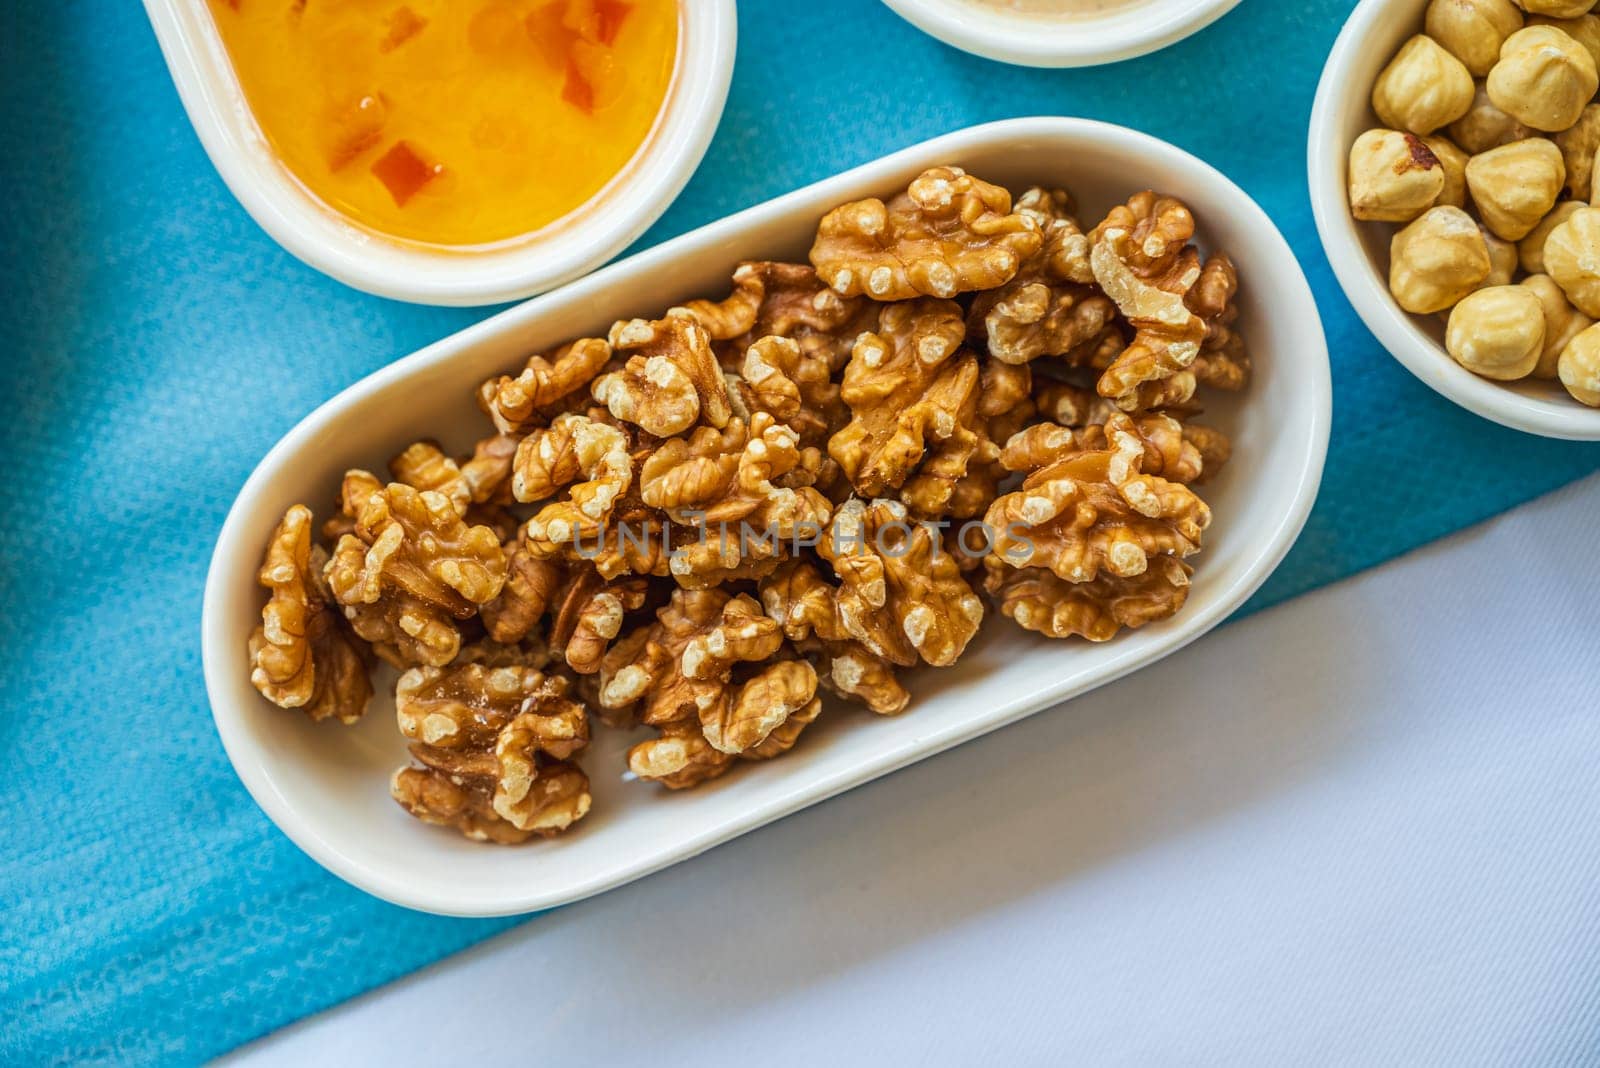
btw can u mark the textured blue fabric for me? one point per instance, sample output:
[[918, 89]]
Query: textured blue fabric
[[156, 343]]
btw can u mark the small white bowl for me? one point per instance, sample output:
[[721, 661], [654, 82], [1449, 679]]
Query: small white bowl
[[327, 786], [1359, 252], [467, 275], [1044, 41]]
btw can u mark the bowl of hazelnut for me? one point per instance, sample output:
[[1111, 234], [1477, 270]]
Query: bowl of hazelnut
[[1452, 170]]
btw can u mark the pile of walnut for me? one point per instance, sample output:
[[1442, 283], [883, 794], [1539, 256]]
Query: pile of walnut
[[958, 395], [1493, 111]]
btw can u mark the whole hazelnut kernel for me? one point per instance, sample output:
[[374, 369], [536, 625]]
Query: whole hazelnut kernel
[[1544, 78], [1585, 29], [1497, 332], [1578, 144], [1502, 259], [1436, 260], [1516, 185], [1559, 9], [1454, 163], [1572, 258], [1485, 126], [1579, 367], [1562, 322], [1423, 88], [1394, 177], [1473, 30], [1530, 250]]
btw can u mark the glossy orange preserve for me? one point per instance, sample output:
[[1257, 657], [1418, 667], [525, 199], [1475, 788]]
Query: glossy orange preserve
[[453, 122]]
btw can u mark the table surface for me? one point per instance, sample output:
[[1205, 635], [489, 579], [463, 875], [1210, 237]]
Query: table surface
[[1362, 827]]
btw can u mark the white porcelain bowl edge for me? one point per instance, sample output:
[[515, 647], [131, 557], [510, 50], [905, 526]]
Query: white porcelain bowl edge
[[488, 274], [1359, 252], [326, 786], [1078, 42]]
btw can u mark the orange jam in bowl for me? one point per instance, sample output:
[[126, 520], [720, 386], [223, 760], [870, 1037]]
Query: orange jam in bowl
[[452, 122]]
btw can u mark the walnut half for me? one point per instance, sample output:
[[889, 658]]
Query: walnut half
[[948, 233], [493, 745], [302, 656]]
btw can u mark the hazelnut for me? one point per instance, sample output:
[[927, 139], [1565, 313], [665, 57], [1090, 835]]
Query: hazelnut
[[1562, 322], [1485, 126], [1502, 259], [1437, 260], [1423, 88], [1473, 30], [1558, 9], [1516, 185], [1497, 332], [1578, 145], [1394, 177], [1572, 258], [1502, 266], [1579, 367], [1585, 29], [1544, 78], [1454, 163], [1530, 250]]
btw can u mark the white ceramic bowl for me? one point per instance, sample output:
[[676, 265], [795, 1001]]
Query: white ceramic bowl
[[1359, 252], [1035, 41], [327, 786], [480, 274]]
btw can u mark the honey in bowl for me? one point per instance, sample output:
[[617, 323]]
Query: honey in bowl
[[452, 122]]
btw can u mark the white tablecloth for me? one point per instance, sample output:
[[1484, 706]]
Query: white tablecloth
[[1363, 827]]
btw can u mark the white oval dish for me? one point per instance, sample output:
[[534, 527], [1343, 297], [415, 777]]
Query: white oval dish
[[479, 274], [1359, 252], [327, 787], [1035, 41]]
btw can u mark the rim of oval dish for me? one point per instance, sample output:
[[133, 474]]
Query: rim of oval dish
[[1036, 42], [1365, 284], [470, 275]]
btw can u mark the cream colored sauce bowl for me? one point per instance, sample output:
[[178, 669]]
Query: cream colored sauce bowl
[[1359, 251], [1050, 41], [327, 786]]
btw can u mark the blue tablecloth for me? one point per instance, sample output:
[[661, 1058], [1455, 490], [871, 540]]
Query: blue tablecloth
[[157, 343]]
